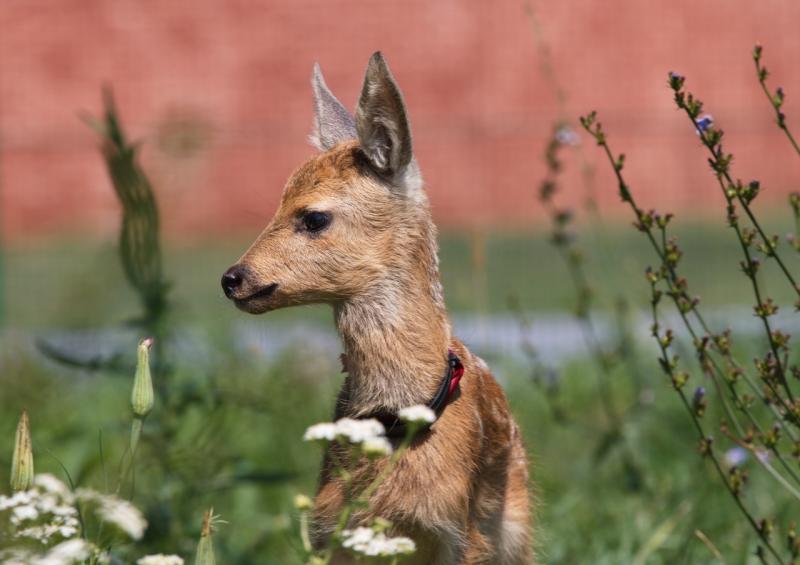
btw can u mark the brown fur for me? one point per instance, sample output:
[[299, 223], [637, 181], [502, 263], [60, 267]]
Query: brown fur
[[461, 490]]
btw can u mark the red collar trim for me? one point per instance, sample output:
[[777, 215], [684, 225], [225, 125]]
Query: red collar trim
[[455, 370]]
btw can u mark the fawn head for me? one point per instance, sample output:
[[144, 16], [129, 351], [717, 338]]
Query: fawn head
[[348, 214]]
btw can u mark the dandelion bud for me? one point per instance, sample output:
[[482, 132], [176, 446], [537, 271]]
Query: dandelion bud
[[205, 548], [142, 395], [303, 503], [22, 460]]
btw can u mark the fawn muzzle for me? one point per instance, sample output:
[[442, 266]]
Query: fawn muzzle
[[237, 287], [232, 280]]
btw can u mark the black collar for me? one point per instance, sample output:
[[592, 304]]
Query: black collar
[[396, 428]]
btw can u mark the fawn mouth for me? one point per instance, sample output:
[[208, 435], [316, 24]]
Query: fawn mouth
[[264, 292]]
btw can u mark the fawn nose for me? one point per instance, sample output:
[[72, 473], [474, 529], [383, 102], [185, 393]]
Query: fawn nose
[[232, 280]]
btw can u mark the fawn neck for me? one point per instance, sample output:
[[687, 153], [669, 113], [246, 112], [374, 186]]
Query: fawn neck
[[396, 336]]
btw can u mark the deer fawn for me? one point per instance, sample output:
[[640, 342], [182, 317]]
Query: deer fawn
[[354, 230]]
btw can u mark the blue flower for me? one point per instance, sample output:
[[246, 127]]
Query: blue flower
[[735, 456], [703, 123], [566, 136]]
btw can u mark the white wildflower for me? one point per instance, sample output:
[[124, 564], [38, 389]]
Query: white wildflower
[[67, 552], [63, 510], [21, 497], [317, 432], [43, 511], [367, 541], [354, 431], [49, 483], [377, 446], [160, 559], [15, 556], [419, 414], [119, 512], [358, 431], [22, 513], [124, 515], [359, 536], [402, 545], [67, 531], [66, 527]]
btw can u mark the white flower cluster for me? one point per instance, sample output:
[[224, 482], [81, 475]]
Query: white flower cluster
[[160, 559], [67, 552], [418, 414], [369, 434], [47, 513], [116, 511], [70, 551], [44, 513], [367, 541]]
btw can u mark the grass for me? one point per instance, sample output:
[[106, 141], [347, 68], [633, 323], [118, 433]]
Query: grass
[[249, 427], [237, 447], [78, 283]]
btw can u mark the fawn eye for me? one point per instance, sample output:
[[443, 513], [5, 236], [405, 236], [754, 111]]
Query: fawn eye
[[315, 222]]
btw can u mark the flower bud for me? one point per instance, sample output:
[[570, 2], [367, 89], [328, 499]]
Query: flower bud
[[205, 548], [22, 460], [699, 401], [303, 503], [676, 80], [679, 379], [142, 395]]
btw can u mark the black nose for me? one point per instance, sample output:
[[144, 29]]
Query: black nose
[[232, 280]]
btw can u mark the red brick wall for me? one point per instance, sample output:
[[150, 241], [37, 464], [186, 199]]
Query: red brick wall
[[218, 92]]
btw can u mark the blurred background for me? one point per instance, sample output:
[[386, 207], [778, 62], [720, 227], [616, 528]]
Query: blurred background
[[218, 93], [216, 97]]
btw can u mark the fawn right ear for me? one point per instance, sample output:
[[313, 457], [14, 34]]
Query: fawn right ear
[[381, 121], [332, 122]]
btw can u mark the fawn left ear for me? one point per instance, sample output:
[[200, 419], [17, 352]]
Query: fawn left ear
[[332, 122], [381, 122]]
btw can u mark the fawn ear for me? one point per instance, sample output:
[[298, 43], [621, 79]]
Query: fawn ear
[[332, 122], [381, 122]]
